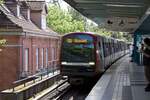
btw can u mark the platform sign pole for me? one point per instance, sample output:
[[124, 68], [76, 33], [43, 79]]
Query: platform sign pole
[[136, 47]]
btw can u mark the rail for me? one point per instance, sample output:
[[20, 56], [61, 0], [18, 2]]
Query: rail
[[23, 81], [28, 87], [45, 95], [32, 78]]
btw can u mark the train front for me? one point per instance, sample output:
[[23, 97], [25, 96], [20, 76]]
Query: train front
[[78, 57]]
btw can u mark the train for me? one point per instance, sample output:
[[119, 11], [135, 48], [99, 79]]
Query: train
[[86, 55]]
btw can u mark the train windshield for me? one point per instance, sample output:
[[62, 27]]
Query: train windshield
[[78, 48]]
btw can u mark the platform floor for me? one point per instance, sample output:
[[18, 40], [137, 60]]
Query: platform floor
[[123, 81]]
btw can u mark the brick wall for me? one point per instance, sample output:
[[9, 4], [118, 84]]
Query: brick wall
[[42, 43], [12, 58], [9, 61]]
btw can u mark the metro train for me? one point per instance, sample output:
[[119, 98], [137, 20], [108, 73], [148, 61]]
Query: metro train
[[86, 55]]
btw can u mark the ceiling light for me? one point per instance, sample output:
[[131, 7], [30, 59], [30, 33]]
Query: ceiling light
[[120, 5], [148, 11]]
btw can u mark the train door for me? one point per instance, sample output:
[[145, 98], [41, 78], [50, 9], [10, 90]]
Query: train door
[[118, 49], [110, 46], [104, 52], [109, 51], [101, 53], [113, 50], [98, 58]]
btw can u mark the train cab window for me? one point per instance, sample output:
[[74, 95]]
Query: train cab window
[[78, 48]]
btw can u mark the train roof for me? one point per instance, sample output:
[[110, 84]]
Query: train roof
[[95, 34], [92, 33]]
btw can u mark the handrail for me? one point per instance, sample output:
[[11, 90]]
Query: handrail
[[30, 78], [23, 81]]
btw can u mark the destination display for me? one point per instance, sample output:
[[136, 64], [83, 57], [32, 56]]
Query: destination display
[[77, 41]]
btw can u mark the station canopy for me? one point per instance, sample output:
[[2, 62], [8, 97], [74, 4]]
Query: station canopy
[[115, 15]]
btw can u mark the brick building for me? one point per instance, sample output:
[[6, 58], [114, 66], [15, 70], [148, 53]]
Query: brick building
[[31, 47]]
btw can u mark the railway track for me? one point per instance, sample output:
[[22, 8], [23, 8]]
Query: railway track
[[56, 90], [64, 91], [78, 92], [75, 93]]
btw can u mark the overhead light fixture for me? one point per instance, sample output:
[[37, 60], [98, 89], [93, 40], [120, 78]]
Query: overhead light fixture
[[121, 23], [148, 11], [109, 22], [121, 5]]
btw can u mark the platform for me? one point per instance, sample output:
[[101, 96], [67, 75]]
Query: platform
[[123, 81]]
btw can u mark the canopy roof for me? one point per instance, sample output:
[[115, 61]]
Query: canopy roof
[[116, 15]]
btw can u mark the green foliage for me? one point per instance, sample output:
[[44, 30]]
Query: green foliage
[[72, 21], [75, 14], [2, 42], [107, 33], [101, 31], [1, 1], [62, 22]]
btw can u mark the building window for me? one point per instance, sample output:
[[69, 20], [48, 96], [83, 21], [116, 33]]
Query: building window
[[18, 11], [42, 57], [37, 58], [26, 64], [28, 14], [53, 53], [46, 57], [43, 21]]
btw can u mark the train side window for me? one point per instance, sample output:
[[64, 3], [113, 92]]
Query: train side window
[[99, 44], [107, 49], [100, 48], [111, 47]]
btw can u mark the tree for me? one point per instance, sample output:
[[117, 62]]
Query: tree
[[75, 14], [72, 21], [61, 21], [1, 1], [55, 2], [2, 41], [101, 31]]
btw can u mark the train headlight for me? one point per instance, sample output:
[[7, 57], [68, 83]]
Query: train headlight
[[97, 51], [91, 63], [63, 63]]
